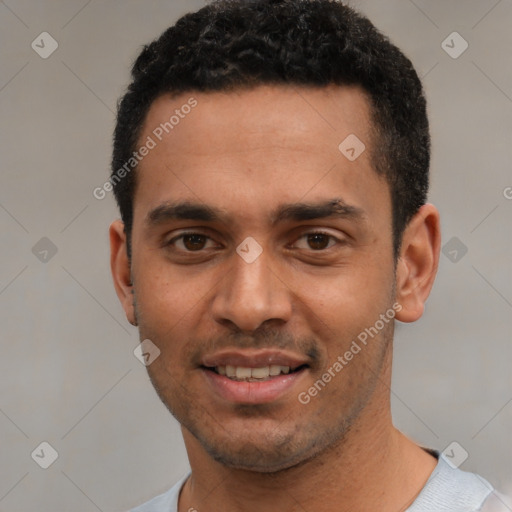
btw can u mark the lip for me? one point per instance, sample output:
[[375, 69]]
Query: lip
[[242, 392], [253, 359], [252, 392]]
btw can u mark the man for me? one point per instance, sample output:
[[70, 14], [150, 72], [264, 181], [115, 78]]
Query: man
[[271, 167]]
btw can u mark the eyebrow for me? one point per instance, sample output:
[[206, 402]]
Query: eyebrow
[[309, 211], [186, 210]]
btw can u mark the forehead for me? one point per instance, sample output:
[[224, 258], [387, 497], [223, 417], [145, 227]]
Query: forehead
[[251, 115], [248, 149]]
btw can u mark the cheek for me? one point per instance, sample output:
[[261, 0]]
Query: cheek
[[355, 290], [157, 299], [172, 307], [164, 293], [163, 309], [339, 307]]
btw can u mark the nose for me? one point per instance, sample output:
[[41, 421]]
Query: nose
[[252, 294]]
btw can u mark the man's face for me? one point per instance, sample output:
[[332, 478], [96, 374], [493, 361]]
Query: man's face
[[260, 170]]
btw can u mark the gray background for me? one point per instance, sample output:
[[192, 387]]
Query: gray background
[[69, 376]]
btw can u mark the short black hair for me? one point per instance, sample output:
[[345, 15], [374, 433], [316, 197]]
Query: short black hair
[[233, 44]]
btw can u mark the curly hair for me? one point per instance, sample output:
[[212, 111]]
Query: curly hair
[[233, 44]]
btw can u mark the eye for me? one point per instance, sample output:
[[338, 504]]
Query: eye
[[191, 242], [316, 241]]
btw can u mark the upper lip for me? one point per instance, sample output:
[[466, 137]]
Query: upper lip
[[253, 359]]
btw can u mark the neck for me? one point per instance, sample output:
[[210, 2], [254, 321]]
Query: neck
[[373, 466]]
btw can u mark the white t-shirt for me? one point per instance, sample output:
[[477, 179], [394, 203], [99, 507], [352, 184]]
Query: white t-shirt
[[447, 490]]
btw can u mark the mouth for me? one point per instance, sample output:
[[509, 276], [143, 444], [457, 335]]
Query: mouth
[[250, 377], [248, 374]]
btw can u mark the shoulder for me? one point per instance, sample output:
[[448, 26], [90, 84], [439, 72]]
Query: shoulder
[[497, 502], [450, 489], [166, 502]]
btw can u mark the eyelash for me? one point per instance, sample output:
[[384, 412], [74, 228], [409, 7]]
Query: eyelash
[[183, 235], [302, 236]]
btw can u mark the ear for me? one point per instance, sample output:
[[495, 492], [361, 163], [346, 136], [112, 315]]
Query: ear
[[418, 262], [120, 267]]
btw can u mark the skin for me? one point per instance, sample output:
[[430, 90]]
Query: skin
[[247, 153]]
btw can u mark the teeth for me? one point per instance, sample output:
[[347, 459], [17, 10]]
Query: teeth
[[260, 373], [275, 369], [244, 373]]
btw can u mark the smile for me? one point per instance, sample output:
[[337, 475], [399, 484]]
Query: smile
[[246, 374]]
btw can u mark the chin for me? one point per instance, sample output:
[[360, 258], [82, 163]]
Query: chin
[[254, 459], [267, 452]]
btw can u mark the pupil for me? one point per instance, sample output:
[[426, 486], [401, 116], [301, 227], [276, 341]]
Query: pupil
[[318, 241], [194, 242]]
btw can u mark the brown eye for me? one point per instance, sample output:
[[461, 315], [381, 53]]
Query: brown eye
[[194, 242], [318, 241]]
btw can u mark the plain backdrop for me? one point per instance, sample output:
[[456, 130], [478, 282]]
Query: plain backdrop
[[68, 373]]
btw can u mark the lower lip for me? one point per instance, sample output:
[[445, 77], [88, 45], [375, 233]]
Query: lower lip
[[241, 392]]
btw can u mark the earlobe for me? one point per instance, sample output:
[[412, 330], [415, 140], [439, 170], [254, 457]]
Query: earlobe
[[120, 267], [418, 262]]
